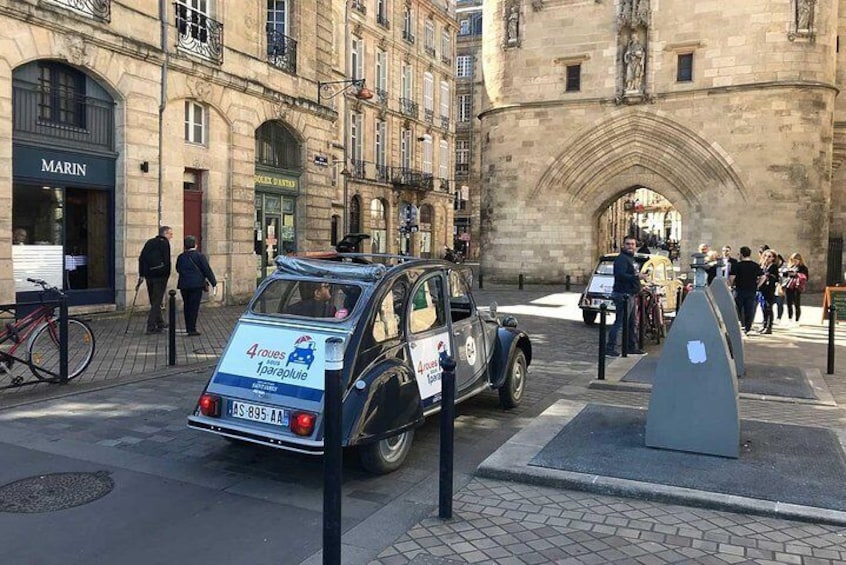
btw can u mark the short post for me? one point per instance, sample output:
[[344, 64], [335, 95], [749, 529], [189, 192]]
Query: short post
[[625, 322], [520, 281], [63, 340], [447, 437], [171, 329], [832, 320], [481, 280], [567, 283], [332, 452], [639, 317], [679, 295], [603, 313]]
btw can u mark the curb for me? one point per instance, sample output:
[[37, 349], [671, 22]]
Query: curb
[[511, 463]]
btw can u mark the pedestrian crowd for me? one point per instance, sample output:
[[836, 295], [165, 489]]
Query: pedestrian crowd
[[770, 283], [195, 277]]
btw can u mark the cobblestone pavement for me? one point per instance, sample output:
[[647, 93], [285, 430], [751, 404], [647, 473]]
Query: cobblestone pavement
[[142, 424]]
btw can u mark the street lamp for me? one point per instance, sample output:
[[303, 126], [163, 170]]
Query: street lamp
[[327, 90]]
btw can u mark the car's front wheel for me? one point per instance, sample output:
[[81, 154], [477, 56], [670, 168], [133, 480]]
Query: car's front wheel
[[589, 316], [387, 455], [511, 392]]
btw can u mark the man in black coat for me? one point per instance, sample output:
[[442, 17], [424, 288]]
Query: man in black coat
[[626, 288], [154, 268]]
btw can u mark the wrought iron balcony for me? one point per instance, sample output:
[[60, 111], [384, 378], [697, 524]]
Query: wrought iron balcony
[[97, 9], [408, 36], [70, 120], [382, 95], [430, 51], [383, 173], [358, 170], [409, 108], [369, 171], [429, 115], [446, 60], [199, 34], [412, 179], [382, 20], [444, 122], [462, 169], [359, 6], [443, 185], [282, 51]]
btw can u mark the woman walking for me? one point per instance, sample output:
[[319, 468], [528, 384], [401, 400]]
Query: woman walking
[[767, 288], [797, 278], [194, 276]]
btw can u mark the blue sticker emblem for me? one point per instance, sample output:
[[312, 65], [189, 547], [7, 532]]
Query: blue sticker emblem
[[303, 353]]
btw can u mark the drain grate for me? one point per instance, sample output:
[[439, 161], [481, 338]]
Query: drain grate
[[58, 491]]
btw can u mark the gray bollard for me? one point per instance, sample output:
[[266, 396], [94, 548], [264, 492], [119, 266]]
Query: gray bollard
[[567, 283], [520, 281], [332, 451], [832, 321], [603, 343], [481, 280], [447, 459]]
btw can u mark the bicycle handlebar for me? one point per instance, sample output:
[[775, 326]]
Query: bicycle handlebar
[[45, 285]]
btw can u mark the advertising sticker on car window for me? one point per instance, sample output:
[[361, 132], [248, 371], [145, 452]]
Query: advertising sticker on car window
[[427, 353], [274, 360]]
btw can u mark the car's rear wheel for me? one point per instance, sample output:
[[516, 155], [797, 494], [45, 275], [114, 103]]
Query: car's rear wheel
[[589, 316], [511, 392], [387, 455]]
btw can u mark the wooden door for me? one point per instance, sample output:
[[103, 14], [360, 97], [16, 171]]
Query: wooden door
[[192, 210]]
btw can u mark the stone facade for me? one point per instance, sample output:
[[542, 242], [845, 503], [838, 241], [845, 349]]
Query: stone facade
[[744, 149]]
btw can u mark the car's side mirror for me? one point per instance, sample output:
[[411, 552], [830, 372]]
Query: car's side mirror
[[493, 308], [509, 322]]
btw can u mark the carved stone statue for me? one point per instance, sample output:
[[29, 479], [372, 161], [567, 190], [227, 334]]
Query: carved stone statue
[[634, 59], [513, 26], [804, 14]]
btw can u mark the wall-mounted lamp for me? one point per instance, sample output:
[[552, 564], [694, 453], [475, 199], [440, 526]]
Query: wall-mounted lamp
[[145, 166], [326, 90]]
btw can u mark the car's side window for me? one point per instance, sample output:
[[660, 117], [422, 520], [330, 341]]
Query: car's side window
[[460, 305], [386, 324], [427, 308]]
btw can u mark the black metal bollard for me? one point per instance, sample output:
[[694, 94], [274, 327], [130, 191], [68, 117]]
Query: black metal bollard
[[171, 329], [567, 283], [679, 295], [625, 320], [332, 451], [832, 320], [63, 340], [447, 437], [520, 281], [481, 280], [603, 313], [639, 317]]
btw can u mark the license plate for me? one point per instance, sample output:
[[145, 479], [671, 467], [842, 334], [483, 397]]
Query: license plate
[[257, 413], [599, 302]]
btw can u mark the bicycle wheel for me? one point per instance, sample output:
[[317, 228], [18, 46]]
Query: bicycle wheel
[[43, 349]]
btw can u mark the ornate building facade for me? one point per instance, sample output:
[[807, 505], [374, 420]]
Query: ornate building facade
[[728, 110]]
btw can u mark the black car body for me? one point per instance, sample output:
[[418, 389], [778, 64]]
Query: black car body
[[397, 320]]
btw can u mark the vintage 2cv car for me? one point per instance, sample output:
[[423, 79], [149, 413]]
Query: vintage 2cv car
[[397, 317]]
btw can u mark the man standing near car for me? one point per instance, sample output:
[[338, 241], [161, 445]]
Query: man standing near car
[[626, 288], [154, 268]]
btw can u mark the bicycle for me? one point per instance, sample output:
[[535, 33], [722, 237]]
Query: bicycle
[[651, 313], [39, 331]]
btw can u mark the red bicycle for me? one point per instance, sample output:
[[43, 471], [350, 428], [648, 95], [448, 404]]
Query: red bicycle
[[38, 334]]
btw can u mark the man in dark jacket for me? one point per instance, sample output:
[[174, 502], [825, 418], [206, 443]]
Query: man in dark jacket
[[626, 284], [194, 270], [154, 268]]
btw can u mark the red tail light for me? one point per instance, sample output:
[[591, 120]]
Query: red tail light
[[302, 423], [210, 405]]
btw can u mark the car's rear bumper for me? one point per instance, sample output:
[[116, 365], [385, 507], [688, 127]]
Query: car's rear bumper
[[246, 433]]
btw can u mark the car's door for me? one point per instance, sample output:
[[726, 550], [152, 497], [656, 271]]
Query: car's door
[[428, 333], [467, 338]]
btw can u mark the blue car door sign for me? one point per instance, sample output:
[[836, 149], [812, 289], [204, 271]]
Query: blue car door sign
[[426, 355]]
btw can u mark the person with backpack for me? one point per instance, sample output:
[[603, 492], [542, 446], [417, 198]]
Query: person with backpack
[[195, 276], [154, 268]]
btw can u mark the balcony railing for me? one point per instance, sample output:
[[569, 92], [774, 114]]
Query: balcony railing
[[412, 179], [429, 115], [462, 169], [367, 170], [409, 108], [444, 122], [446, 60], [408, 36], [282, 51], [382, 95], [430, 51], [98, 9], [383, 173], [382, 20], [199, 34], [80, 120], [358, 169], [359, 6]]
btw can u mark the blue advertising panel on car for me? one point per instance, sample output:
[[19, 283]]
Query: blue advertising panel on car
[[269, 361]]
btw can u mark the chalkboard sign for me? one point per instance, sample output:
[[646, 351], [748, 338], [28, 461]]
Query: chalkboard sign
[[835, 295]]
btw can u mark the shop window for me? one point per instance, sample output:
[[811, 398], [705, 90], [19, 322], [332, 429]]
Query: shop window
[[355, 214], [378, 223]]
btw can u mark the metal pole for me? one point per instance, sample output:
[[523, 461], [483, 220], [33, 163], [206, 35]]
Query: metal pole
[[679, 295], [481, 280], [171, 329], [447, 437], [832, 320], [567, 283], [625, 314], [63, 340], [603, 313], [639, 319], [332, 452], [520, 281]]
